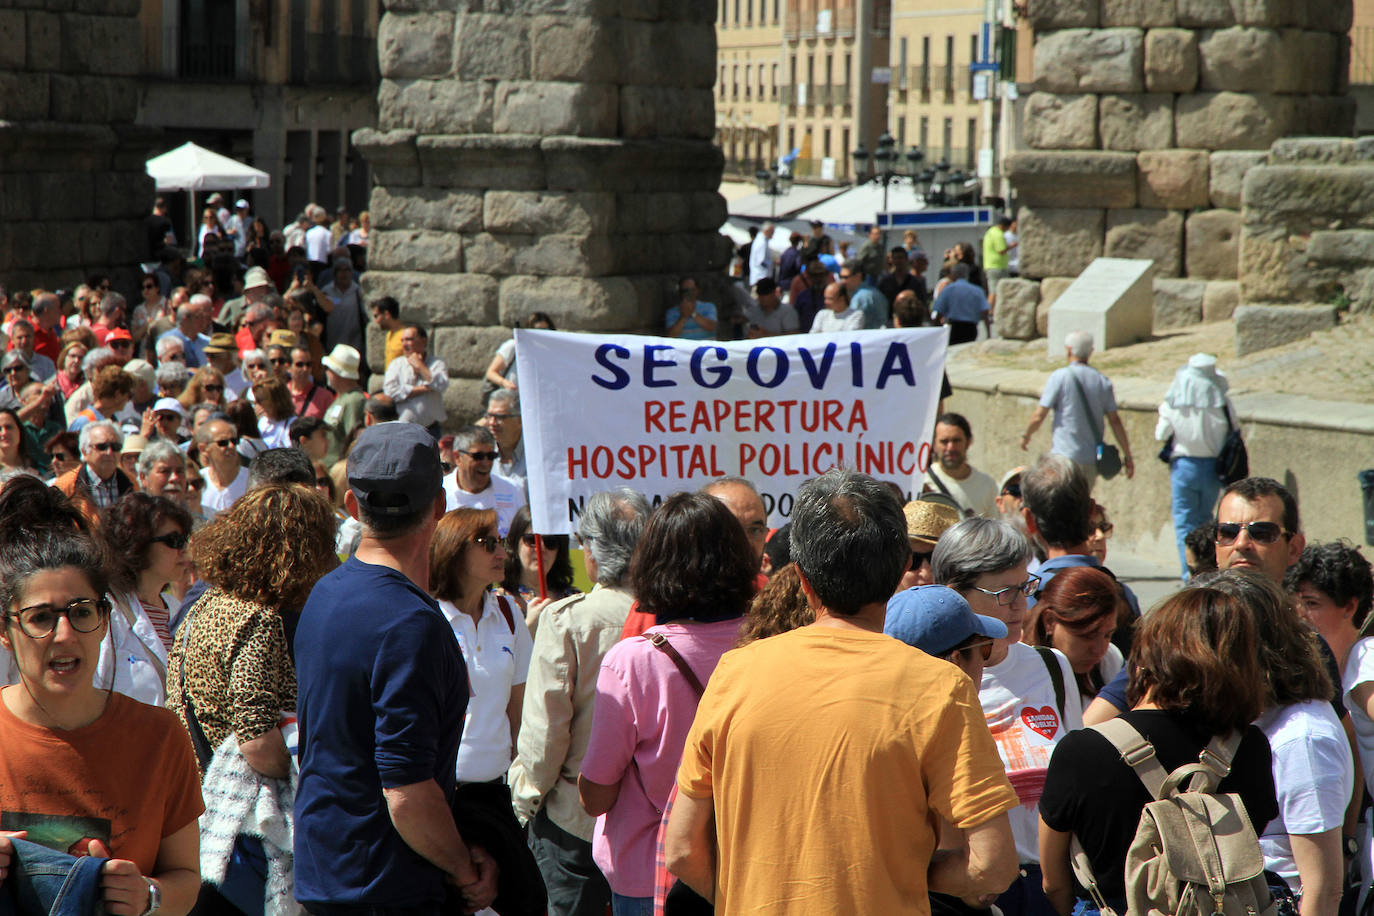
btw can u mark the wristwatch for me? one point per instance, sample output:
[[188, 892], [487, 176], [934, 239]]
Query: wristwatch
[[154, 898]]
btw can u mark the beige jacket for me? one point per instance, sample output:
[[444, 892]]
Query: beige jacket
[[573, 636]]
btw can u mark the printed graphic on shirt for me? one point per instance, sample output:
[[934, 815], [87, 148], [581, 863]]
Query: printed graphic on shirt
[[67, 833], [1043, 721]]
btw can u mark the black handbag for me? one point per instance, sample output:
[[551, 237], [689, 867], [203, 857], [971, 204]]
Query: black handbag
[[1166, 451], [1233, 461]]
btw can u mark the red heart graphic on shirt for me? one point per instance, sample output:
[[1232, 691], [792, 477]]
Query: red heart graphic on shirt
[[1043, 721]]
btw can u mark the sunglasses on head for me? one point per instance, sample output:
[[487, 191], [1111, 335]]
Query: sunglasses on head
[[487, 542], [1260, 532]]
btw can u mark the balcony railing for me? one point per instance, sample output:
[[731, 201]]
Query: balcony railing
[[212, 59]]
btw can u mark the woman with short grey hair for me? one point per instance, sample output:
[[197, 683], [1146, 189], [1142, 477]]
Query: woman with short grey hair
[[1028, 694], [608, 530]]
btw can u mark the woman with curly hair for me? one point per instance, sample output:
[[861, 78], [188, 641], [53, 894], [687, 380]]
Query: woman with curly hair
[[146, 540], [522, 568], [780, 607], [205, 387], [694, 570]]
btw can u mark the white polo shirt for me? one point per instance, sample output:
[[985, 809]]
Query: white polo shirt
[[213, 500], [502, 495], [497, 660]]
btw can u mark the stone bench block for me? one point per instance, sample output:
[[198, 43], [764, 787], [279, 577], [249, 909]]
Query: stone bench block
[[416, 249], [1062, 121], [1171, 62], [1213, 244], [1231, 120], [1062, 14], [1219, 300], [1177, 303], [1136, 122], [441, 299], [1139, 13], [1090, 60], [1110, 300], [483, 161], [1174, 179], [412, 45], [434, 106], [1155, 235], [426, 208], [1259, 327], [1226, 171], [1059, 242], [577, 49], [1017, 300], [1074, 179], [531, 212], [574, 303]]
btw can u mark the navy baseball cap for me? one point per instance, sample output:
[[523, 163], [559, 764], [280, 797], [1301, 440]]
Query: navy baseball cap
[[935, 619], [394, 469]]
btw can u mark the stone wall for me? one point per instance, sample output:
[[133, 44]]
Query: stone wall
[[550, 155], [73, 193], [1146, 116]]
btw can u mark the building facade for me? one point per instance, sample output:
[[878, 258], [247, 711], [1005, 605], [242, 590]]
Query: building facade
[[749, 82], [278, 84]]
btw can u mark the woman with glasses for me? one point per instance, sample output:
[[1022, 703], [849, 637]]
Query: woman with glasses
[[205, 387], [231, 677], [694, 570], [1029, 695], [521, 576], [70, 375], [85, 769], [64, 454], [146, 538], [1077, 613]]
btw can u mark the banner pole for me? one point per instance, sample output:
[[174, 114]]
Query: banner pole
[[539, 563]]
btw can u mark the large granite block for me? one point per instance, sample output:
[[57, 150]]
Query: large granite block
[[1153, 235], [1136, 122], [1090, 60], [1174, 179], [1171, 63], [415, 45], [1074, 179], [1231, 120], [1213, 244], [1059, 242], [1055, 121], [1259, 327]]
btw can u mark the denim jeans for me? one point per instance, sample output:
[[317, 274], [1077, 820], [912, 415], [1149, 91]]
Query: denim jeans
[[1026, 896], [631, 906], [42, 880], [1195, 488], [576, 886]]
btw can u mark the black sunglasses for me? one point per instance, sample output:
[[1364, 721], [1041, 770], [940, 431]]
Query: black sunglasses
[[1260, 532], [487, 542], [211, 387], [919, 558], [176, 540], [227, 443], [482, 456], [104, 446]]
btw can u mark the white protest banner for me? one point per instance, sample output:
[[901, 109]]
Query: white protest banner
[[661, 415]]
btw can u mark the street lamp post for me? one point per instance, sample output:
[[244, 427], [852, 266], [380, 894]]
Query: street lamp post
[[775, 183], [888, 167]]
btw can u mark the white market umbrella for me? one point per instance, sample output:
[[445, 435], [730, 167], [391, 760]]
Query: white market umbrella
[[194, 168]]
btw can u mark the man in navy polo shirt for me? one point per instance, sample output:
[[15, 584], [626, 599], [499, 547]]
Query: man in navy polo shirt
[[382, 695]]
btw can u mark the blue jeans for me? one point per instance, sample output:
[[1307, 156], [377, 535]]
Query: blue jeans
[[631, 906], [42, 880], [1026, 896], [1195, 488]]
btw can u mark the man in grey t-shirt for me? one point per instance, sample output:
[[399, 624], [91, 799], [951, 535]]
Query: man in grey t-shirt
[[1080, 397]]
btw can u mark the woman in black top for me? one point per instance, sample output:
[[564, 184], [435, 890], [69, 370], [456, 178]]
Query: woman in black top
[[1195, 675]]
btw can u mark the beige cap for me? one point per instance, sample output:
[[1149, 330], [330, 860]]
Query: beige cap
[[282, 337], [927, 520], [133, 445]]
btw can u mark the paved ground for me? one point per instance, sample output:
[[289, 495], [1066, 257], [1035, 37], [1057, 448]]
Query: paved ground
[[1150, 581]]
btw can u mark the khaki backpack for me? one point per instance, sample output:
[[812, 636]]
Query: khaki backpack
[[1195, 852]]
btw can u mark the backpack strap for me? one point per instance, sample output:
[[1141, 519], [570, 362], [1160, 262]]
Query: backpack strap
[[1214, 765], [504, 605], [1137, 753], [660, 642], [1056, 677]]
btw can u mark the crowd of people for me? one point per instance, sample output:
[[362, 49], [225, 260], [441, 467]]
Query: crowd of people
[[274, 642]]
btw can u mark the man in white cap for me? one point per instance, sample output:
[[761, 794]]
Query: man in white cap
[[256, 285], [237, 227], [347, 412]]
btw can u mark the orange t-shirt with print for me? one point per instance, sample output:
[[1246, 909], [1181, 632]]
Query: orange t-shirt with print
[[129, 779]]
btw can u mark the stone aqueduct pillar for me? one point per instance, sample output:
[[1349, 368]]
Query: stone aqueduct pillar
[[540, 155], [73, 193]]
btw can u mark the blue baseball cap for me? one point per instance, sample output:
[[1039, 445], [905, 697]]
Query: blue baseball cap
[[935, 619], [394, 469]]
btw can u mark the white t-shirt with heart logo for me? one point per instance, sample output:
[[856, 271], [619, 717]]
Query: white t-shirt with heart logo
[[1020, 706]]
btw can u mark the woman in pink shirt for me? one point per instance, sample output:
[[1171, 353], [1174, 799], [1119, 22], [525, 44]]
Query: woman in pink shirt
[[694, 571]]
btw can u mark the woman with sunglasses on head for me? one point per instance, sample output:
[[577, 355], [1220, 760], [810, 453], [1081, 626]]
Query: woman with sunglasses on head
[[1077, 613], [146, 538], [1028, 694], [522, 568], [85, 769]]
